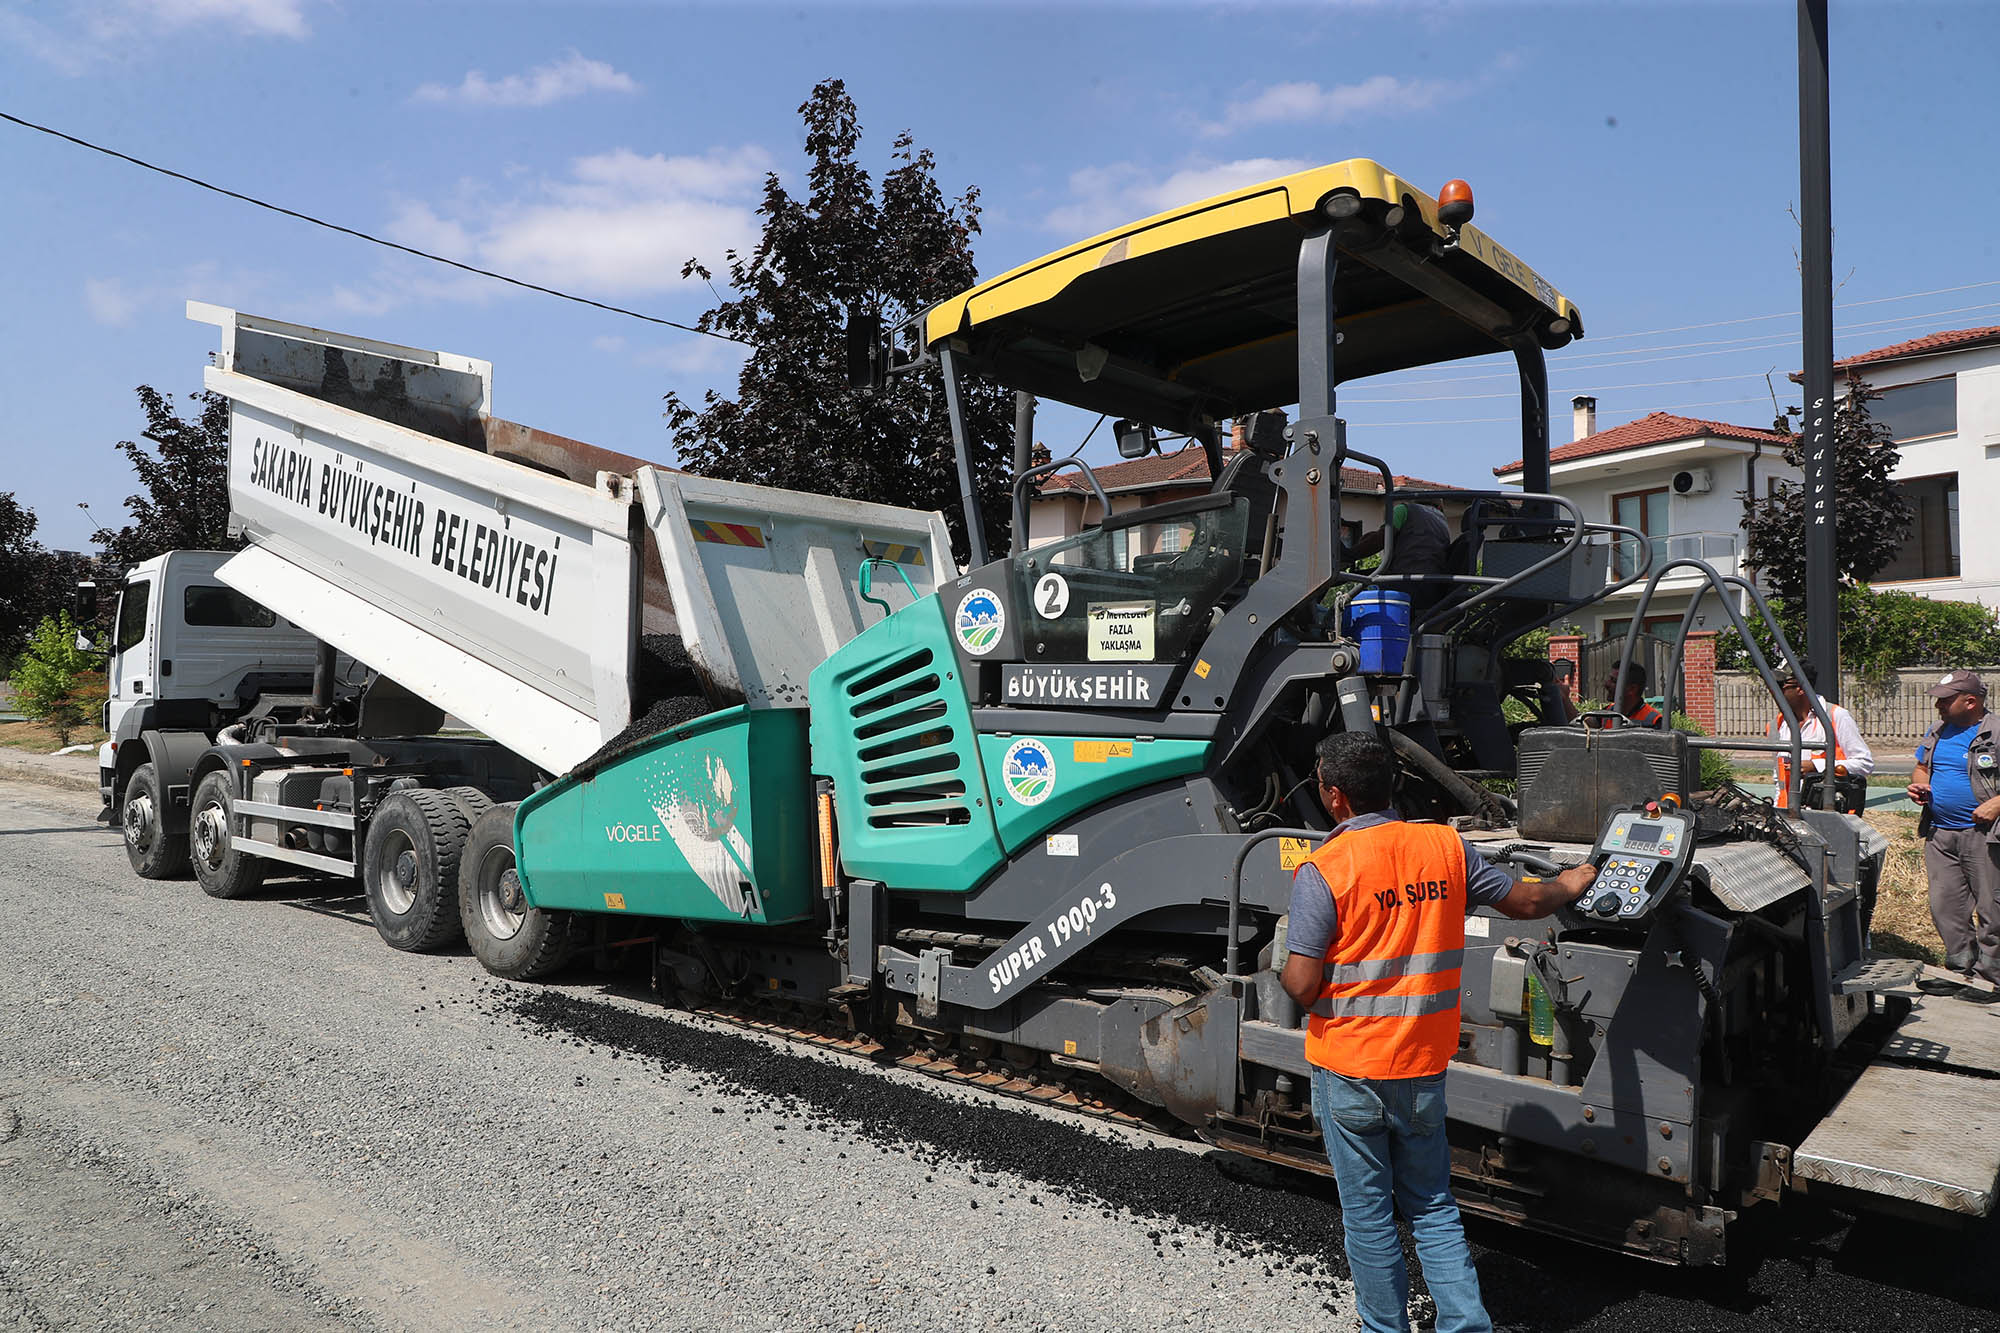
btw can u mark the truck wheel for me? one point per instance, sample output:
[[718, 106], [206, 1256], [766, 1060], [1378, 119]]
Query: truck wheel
[[472, 801], [409, 868], [155, 848], [221, 870], [509, 938]]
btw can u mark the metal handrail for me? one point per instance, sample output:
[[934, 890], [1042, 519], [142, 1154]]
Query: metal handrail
[[1236, 885], [1720, 583], [1048, 469]]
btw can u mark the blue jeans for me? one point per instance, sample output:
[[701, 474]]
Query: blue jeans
[[1385, 1139]]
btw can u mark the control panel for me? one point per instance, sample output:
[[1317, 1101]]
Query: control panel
[[1640, 858]]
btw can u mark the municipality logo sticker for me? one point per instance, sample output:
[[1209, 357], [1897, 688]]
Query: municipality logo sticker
[[1029, 771], [979, 621]]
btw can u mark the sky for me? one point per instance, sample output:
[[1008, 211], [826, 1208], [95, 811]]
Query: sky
[[1643, 158]]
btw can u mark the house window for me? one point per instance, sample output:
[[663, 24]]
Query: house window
[[1918, 411], [1931, 549], [1645, 511]]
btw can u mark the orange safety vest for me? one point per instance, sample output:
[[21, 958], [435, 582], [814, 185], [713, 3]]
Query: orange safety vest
[[1783, 798], [1388, 999], [1648, 716]]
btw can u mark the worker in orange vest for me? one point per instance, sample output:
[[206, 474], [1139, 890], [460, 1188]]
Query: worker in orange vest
[[1375, 936], [1632, 698], [1851, 755]]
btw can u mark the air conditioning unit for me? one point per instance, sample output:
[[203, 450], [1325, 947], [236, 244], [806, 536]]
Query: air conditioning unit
[[1694, 481]]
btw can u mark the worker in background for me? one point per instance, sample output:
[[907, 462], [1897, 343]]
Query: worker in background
[[1423, 541], [1375, 935], [1632, 699], [1851, 755], [1957, 782]]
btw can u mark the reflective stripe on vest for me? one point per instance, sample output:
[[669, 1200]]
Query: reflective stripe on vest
[[1783, 798], [1648, 716], [1389, 985]]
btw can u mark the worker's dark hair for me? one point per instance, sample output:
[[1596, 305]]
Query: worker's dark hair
[[1634, 674], [1360, 766], [1803, 672]]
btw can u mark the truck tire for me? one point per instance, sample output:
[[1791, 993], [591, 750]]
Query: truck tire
[[509, 938], [472, 801], [155, 848], [409, 868], [221, 870]]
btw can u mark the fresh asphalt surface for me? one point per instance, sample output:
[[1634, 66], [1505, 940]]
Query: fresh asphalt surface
[[254, 1115]]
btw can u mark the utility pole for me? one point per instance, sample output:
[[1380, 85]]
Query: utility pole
[[1816, 308]]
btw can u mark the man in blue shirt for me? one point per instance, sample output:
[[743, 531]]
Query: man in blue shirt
[[1957, 781]]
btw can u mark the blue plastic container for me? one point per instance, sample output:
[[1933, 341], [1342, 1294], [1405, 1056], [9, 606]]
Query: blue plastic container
[[1379, 620]]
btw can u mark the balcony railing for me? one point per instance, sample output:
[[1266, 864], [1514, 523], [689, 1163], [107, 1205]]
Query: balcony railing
[[1717, 548]]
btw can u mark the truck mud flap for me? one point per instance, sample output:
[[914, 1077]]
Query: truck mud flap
[[1184, 1059]]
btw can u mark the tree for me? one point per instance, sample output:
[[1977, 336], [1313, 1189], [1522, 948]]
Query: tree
[[842, 250], [185, 505], [34, 582], [1873, 517], [53, 680]]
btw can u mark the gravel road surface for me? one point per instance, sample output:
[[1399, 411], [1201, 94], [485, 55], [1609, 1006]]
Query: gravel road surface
[[254, 1115]]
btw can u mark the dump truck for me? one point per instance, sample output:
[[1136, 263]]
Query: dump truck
[[1030, 821]]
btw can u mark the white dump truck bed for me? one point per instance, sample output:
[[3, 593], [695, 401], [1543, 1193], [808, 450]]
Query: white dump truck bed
[[506, 575]]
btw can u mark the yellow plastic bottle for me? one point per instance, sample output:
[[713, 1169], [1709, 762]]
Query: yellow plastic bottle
[[1541, 1014]]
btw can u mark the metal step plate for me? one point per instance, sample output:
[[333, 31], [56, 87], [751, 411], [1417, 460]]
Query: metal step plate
[[1920, 1135], [1944, 1031], [1875, 974]]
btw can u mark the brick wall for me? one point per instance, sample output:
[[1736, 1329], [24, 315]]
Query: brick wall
[[1698, 673], [1566, 648]]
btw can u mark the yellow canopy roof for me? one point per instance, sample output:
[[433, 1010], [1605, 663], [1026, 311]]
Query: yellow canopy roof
[[1195, 310]]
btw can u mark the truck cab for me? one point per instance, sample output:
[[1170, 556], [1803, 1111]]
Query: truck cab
[[187, 656]]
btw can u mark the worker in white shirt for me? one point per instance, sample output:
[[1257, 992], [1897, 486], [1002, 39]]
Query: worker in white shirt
[[1851, 755]]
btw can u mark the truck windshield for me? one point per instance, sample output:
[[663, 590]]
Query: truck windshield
[[1139, 590], [225, 608]]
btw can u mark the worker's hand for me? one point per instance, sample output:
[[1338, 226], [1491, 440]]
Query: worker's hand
[[1987, 812], [1920, 792], [1577, 880]]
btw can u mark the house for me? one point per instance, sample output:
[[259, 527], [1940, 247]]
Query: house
[[1940, 397], [1065, 506], [1677, 480]]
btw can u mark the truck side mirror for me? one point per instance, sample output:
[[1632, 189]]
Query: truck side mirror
[[1135, 439], [83, 602], [867, 355]]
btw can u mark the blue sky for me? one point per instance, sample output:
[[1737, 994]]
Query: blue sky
[[1643, 158]]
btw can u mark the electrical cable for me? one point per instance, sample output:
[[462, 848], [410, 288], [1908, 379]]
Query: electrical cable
[[374, 240]]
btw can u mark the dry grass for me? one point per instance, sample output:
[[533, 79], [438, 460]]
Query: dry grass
[[41, 738], [1902, 926]]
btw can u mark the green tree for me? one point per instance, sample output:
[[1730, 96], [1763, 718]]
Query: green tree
[[845, 249], [34, 582], [53, 678], [185, 475], [1874, 517], [1881, 631]]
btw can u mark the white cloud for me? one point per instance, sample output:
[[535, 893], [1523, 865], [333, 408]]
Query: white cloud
[[1303, 103], [75, 37], [110, 301], [572, 76], [1104, 197], [619, 224]]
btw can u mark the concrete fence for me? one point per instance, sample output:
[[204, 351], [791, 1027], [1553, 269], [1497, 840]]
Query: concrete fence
[[1895, 715]]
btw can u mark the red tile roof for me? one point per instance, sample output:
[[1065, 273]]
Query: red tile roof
[[1927, 345], [1654, 428], [1189, 467]]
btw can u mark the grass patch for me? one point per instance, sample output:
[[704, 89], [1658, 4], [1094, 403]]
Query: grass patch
[[41, 739], [1903, 926]]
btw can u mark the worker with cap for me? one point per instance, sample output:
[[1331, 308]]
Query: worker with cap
[[1632, 699], [1957, 781], [1375, 938], [1851, 755]]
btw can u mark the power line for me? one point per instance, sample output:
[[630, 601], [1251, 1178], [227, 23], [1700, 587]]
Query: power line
[[364, 236]]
